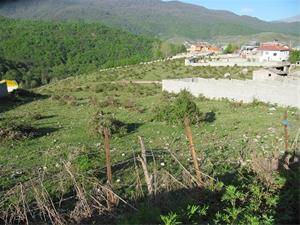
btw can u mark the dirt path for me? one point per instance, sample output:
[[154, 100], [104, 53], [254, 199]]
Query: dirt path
[[137, 82]]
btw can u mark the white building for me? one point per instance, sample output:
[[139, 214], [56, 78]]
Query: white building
[[247, 50], [274, 52]]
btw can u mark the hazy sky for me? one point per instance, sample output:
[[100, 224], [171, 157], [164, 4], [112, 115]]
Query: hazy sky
[[264, 9]]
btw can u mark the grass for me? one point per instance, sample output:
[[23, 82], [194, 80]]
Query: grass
[[66, 114]]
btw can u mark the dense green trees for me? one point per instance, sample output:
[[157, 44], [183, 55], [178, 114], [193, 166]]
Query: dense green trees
[[230, 48], [11, 70], [294, 56], [36, 53]]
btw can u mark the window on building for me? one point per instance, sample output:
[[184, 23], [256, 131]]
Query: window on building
[[275, 54]]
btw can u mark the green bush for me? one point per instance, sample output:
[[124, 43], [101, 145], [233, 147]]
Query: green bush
[[103, 120], [294, 56], [230, 48], [83, 162], [174, 112], [170, 219]]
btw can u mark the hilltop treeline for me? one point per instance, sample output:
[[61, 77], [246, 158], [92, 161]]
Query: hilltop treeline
[[36, 53]]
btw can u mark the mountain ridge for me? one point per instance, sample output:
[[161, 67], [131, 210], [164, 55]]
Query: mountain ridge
[[291, 19], [164, 19]]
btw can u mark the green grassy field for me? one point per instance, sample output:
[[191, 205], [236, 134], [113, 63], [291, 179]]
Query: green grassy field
[[59, 128]]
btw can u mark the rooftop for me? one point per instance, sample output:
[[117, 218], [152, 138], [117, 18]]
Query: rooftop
[[273, 46]]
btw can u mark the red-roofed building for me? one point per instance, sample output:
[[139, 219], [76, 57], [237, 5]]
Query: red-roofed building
[[274, 52], [203, 47]]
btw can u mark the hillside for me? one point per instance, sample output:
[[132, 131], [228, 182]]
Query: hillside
[[153, 17], [35, 52], [261, 37], [291, 19], [51, 149]]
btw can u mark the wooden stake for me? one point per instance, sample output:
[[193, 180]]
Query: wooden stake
[[286, 141], [143, 149], [143, 161], [286, 134], [189, 135], [107, 154], [147, 176]]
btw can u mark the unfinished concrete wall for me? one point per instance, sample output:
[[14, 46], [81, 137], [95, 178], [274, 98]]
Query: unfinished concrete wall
[[286, 93], [265, 74], [235, 62]]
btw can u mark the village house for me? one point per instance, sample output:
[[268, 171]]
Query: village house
[[203, 47], [248, 51], [273, 52]]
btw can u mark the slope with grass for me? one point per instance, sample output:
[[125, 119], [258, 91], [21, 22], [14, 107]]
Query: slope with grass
[[52, 135]]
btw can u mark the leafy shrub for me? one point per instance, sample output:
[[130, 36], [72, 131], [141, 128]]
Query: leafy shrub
[[245, 200], [103, 120], [182, 107], [248, 202], [294, 56], [83, 163], [170, 219]]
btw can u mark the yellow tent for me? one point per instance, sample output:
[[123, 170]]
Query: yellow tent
[[11, 85]]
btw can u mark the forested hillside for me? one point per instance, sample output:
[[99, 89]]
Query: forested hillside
[[165, 19], [36, 53]]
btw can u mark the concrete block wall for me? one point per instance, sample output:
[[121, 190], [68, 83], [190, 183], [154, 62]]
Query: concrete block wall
[[286, 93]]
